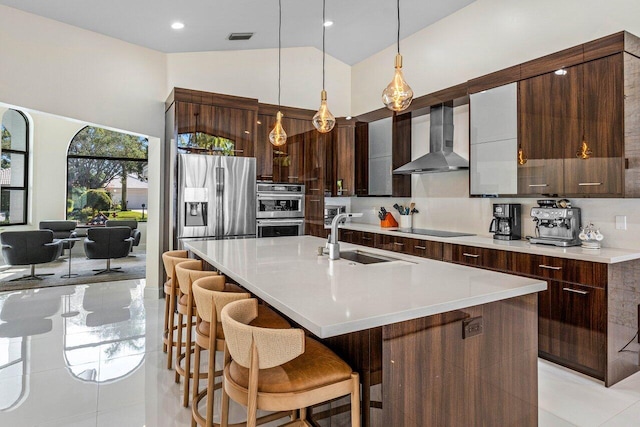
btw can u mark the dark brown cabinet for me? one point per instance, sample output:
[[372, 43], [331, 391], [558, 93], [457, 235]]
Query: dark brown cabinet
[[343, 147], [478, 257], [571, 130], [285, 163], [577, 329], [603, 131], [198, 125]]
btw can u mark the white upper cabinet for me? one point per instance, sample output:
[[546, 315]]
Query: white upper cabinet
[[494, 114], [494, 141], [380, 157]]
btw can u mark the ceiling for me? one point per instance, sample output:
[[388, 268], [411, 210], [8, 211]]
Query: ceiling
[[361, 27]]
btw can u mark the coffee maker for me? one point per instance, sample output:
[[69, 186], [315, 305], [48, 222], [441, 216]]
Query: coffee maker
[[506, 223], [555, 225]]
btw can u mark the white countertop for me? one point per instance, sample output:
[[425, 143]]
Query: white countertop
[[331, 298], [604, 255]]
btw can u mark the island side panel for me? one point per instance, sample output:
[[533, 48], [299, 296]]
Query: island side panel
[[434, 377], [623, 303]]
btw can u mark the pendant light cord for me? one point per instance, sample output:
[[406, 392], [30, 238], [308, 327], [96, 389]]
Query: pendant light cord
[[398, 3], [279, 46], [323, 31]]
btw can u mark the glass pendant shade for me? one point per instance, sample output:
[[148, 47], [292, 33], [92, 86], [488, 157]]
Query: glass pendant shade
[[278, 136], [398, 95], [323, 120]]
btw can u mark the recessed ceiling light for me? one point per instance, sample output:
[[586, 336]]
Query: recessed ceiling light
[[561, 72], [348, 117], [177, 25], [328, 23]]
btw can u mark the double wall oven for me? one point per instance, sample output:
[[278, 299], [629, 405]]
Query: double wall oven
[[280, 209]]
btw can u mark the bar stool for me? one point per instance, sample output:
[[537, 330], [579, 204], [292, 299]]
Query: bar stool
[[187, 272], [279, 369], [210, 298], [170, 259]]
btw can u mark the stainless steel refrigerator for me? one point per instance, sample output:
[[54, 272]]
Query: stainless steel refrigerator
[[216, 196]]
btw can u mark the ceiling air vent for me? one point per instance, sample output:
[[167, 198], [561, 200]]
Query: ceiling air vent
[[240, 36]]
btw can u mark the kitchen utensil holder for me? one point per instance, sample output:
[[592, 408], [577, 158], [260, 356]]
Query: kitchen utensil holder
[[388, 221], [406, 221]]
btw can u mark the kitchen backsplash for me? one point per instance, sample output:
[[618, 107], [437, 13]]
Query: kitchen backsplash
[[474, 214]]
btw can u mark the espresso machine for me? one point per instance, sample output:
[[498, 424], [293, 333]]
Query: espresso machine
[[558, 226], [506, 223]]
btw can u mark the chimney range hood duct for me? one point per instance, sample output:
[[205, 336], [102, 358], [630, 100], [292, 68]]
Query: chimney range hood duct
[[441, 157]]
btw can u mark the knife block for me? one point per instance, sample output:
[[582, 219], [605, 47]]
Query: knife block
[[388, 221]]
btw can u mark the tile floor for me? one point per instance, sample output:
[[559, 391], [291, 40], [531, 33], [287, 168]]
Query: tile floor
[[91, 355]]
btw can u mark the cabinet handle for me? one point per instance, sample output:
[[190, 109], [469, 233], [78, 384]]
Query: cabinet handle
[[292, 177], [538, 185], [267, 176], [420, 247], [398, 244], [367, 238], [470, 255], [576, 291], [549, 267], [348, 233], [589, 183], [238, 151]]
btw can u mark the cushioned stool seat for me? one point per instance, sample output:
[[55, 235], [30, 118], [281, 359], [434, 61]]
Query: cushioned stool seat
[[316, 367]]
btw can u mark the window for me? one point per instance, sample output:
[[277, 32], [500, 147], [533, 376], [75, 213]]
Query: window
[[14, 168], [106, 174]]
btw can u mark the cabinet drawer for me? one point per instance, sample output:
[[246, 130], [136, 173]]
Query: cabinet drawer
[[368, 239], [424, 248], [478, 257], [394, 243], [562, 269], [350, 236]]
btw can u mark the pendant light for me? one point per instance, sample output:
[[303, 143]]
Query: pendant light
[[398, 95], [278, 136], [323, 120]]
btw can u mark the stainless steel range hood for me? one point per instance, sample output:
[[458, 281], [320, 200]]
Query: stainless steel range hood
[[441, 157]]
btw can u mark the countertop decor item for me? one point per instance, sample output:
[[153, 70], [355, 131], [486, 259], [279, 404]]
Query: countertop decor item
[[388, 221], [590, 236]]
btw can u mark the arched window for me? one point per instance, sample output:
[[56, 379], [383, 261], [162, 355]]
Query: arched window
[[106, 174], [14, 168]]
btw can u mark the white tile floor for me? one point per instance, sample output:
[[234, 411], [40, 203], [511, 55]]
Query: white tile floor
[[91, 355]]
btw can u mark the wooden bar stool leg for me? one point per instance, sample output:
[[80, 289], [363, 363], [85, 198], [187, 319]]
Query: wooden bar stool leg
[[187, 351], [224, 414], [172, 322], [196, 380], [179, 345], [355, 401], [167, 299]]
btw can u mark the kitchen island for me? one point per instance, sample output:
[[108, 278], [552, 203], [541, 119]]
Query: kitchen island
[[436, 343]]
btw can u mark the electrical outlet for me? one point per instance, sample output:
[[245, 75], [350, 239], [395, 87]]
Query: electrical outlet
[[621, 222], [472, 327]]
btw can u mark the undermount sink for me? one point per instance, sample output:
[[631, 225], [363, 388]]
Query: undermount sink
[[363, 257]]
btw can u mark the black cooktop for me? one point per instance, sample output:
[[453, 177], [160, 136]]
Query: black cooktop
[[436, 233]]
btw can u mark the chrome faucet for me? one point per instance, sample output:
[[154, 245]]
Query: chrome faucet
[[332, 243]]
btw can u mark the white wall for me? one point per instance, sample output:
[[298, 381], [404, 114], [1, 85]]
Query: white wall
[[64, 70], [486, 36], [254, 74]]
